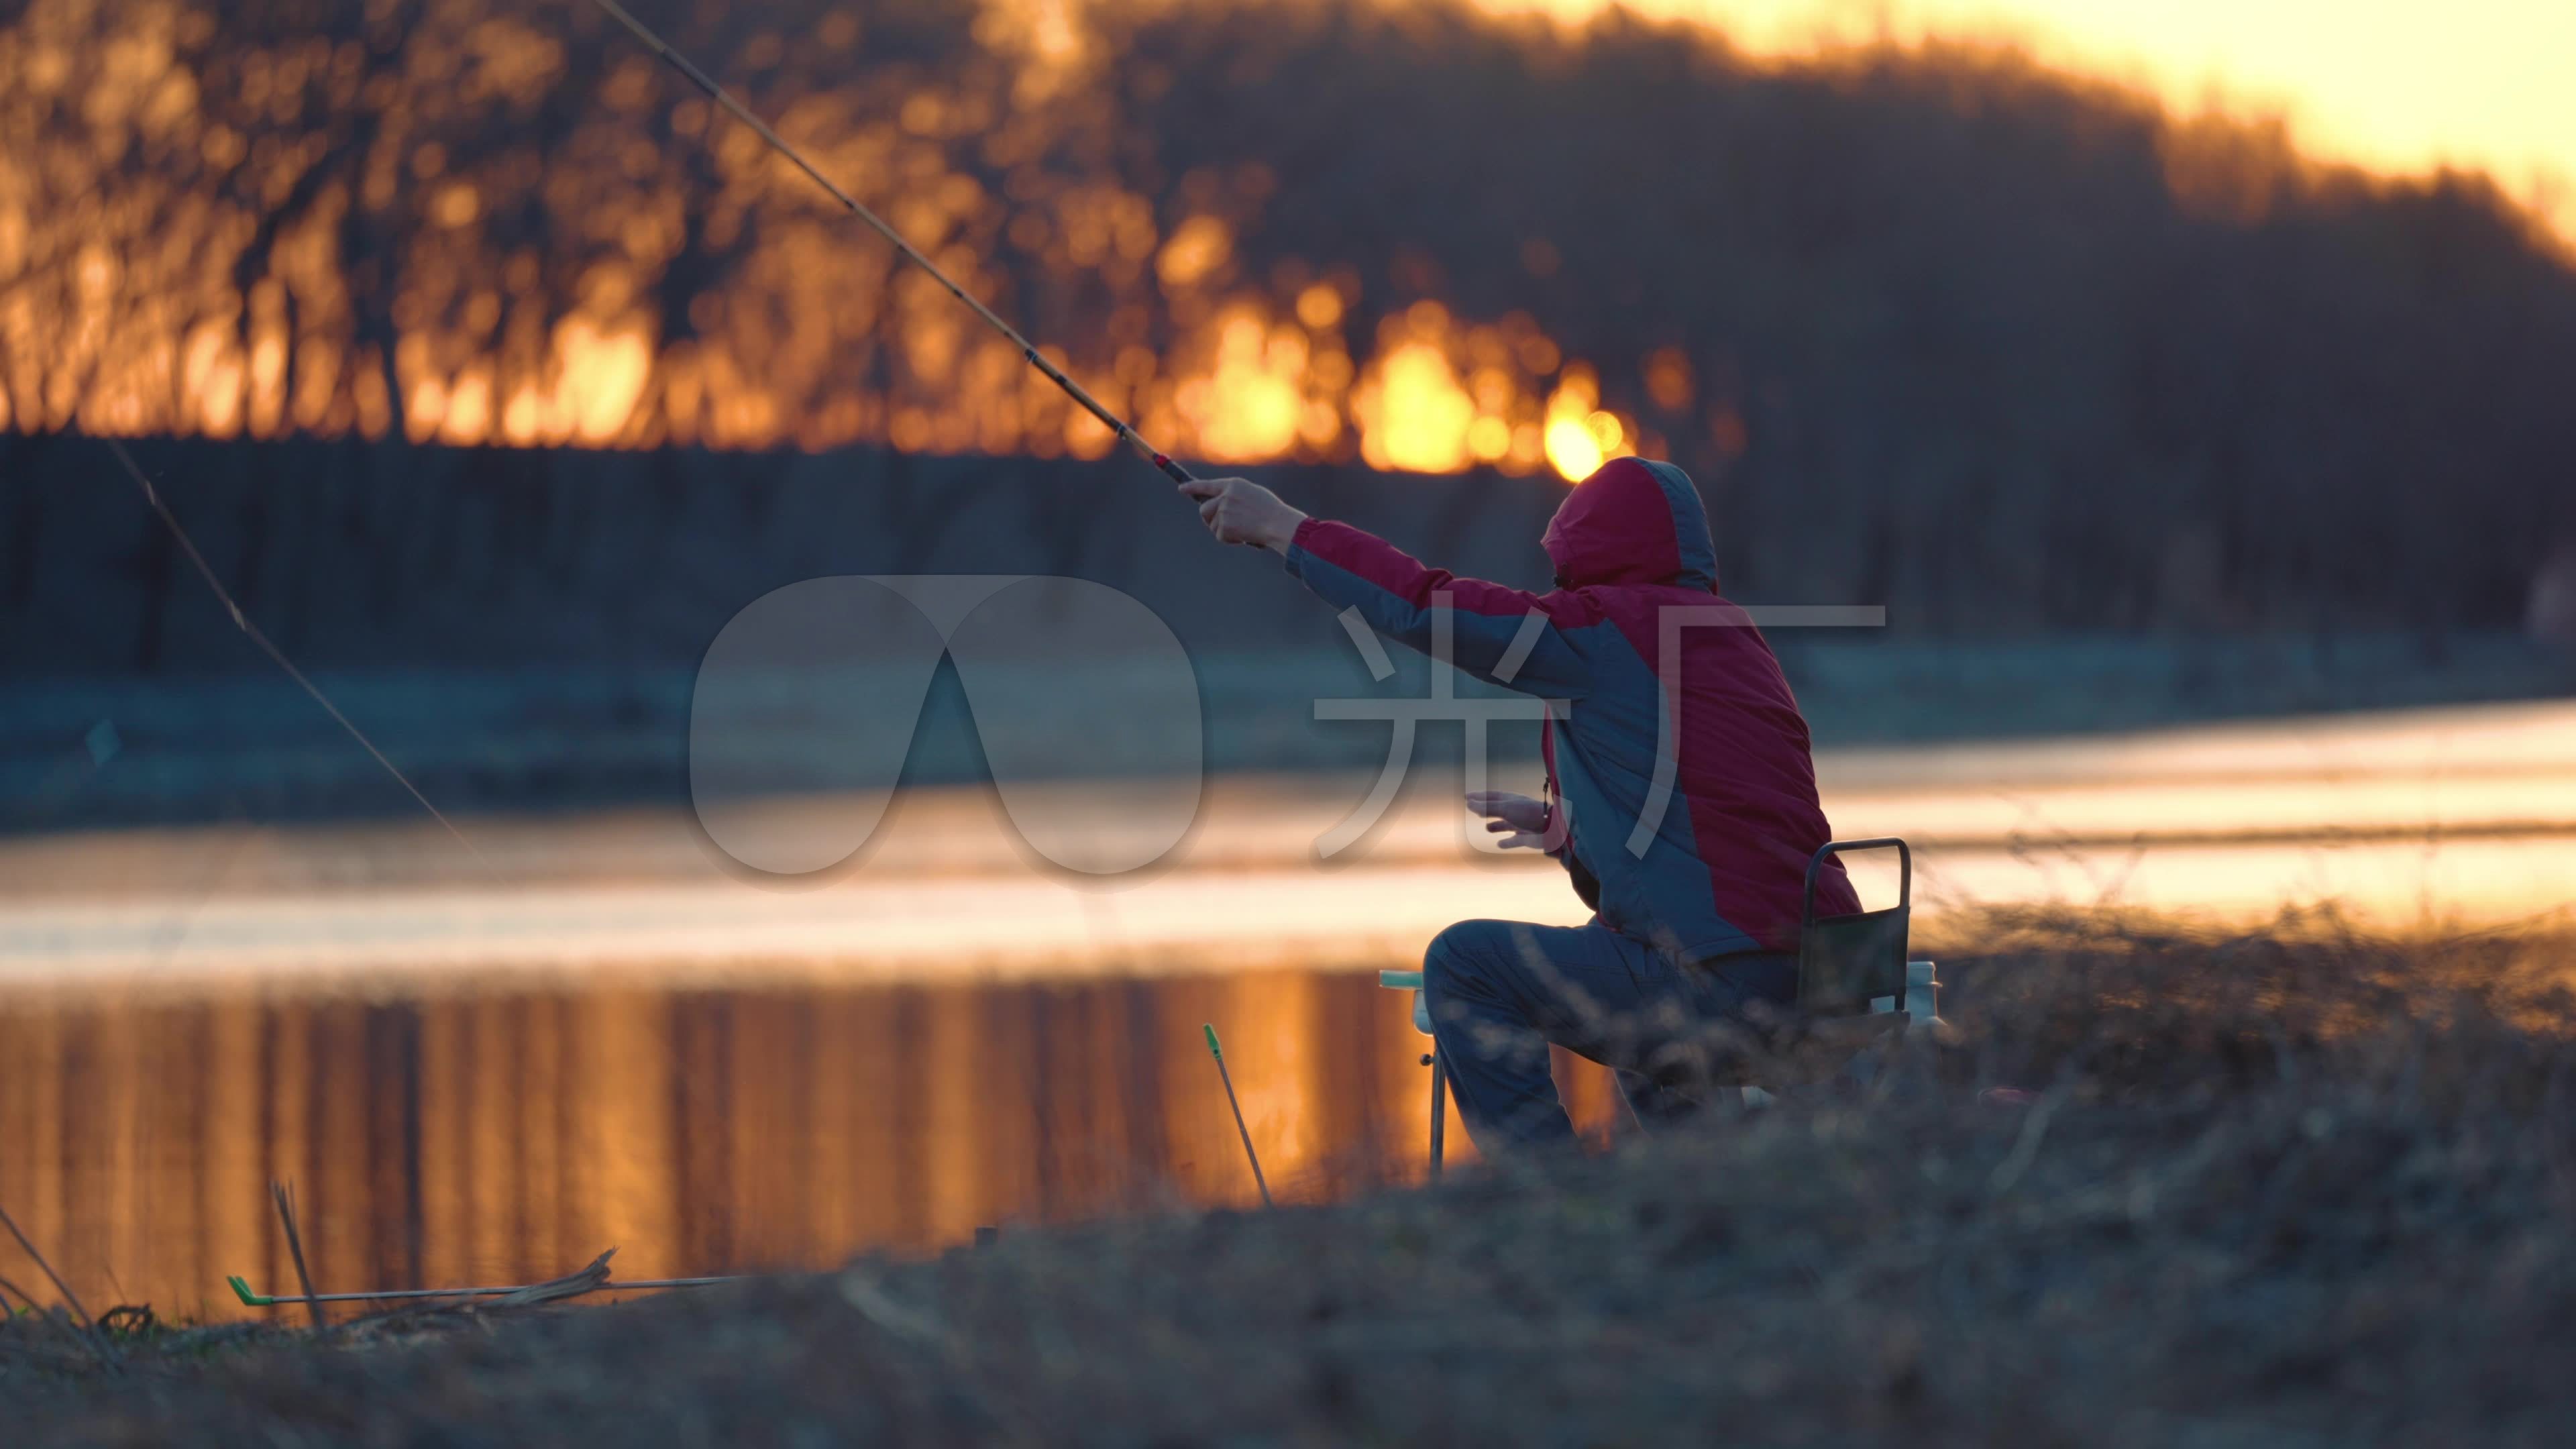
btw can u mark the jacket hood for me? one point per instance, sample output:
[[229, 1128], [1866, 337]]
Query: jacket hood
[[1632, 522]]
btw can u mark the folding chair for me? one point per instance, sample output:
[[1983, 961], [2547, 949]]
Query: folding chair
[[1855, 985], [1852, 969]]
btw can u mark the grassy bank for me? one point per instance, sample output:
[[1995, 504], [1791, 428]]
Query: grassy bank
[[2239, 1192]]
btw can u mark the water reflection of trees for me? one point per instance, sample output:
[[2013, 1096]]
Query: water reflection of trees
[[486, 1138]]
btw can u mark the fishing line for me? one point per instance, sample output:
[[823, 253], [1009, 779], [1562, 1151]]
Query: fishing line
[[242, 622], [1054, 374]]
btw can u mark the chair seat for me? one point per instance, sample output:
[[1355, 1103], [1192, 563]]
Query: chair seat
[[1409, 981]]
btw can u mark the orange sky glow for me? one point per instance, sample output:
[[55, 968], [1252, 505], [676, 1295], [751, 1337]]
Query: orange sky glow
[[2394, 86]]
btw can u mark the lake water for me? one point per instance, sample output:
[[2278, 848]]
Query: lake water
[[480, 1068], [506, 1136]]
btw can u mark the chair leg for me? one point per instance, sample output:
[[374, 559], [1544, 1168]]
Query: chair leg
[[1439, 1109]]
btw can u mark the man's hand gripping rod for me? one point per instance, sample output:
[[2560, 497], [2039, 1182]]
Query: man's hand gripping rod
[[1054, 374]]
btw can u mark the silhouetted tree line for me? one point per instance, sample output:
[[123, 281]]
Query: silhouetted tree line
[[2008, 349]]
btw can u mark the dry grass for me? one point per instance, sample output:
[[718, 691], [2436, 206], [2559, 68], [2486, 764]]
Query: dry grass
[[2260, 1191]]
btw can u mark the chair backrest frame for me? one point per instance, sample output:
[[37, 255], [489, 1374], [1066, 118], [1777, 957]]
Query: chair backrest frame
[[1846, 962], [1832, 848]]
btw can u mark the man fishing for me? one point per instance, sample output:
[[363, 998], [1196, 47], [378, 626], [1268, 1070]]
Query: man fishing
[[1696, 914], [1697, 918]]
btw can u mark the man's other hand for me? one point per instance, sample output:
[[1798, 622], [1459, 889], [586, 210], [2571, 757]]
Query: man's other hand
[[1520, 820], [1238, 510]]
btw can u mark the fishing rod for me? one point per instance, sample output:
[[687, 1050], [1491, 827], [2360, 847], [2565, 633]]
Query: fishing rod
[[851, 204], [1227, 1077], [241, 621]]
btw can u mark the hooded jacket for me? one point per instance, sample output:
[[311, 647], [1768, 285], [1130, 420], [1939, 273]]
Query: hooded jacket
[[1677, 761]]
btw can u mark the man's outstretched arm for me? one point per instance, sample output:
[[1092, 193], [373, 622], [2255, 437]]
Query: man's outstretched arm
[[1352, 568]]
